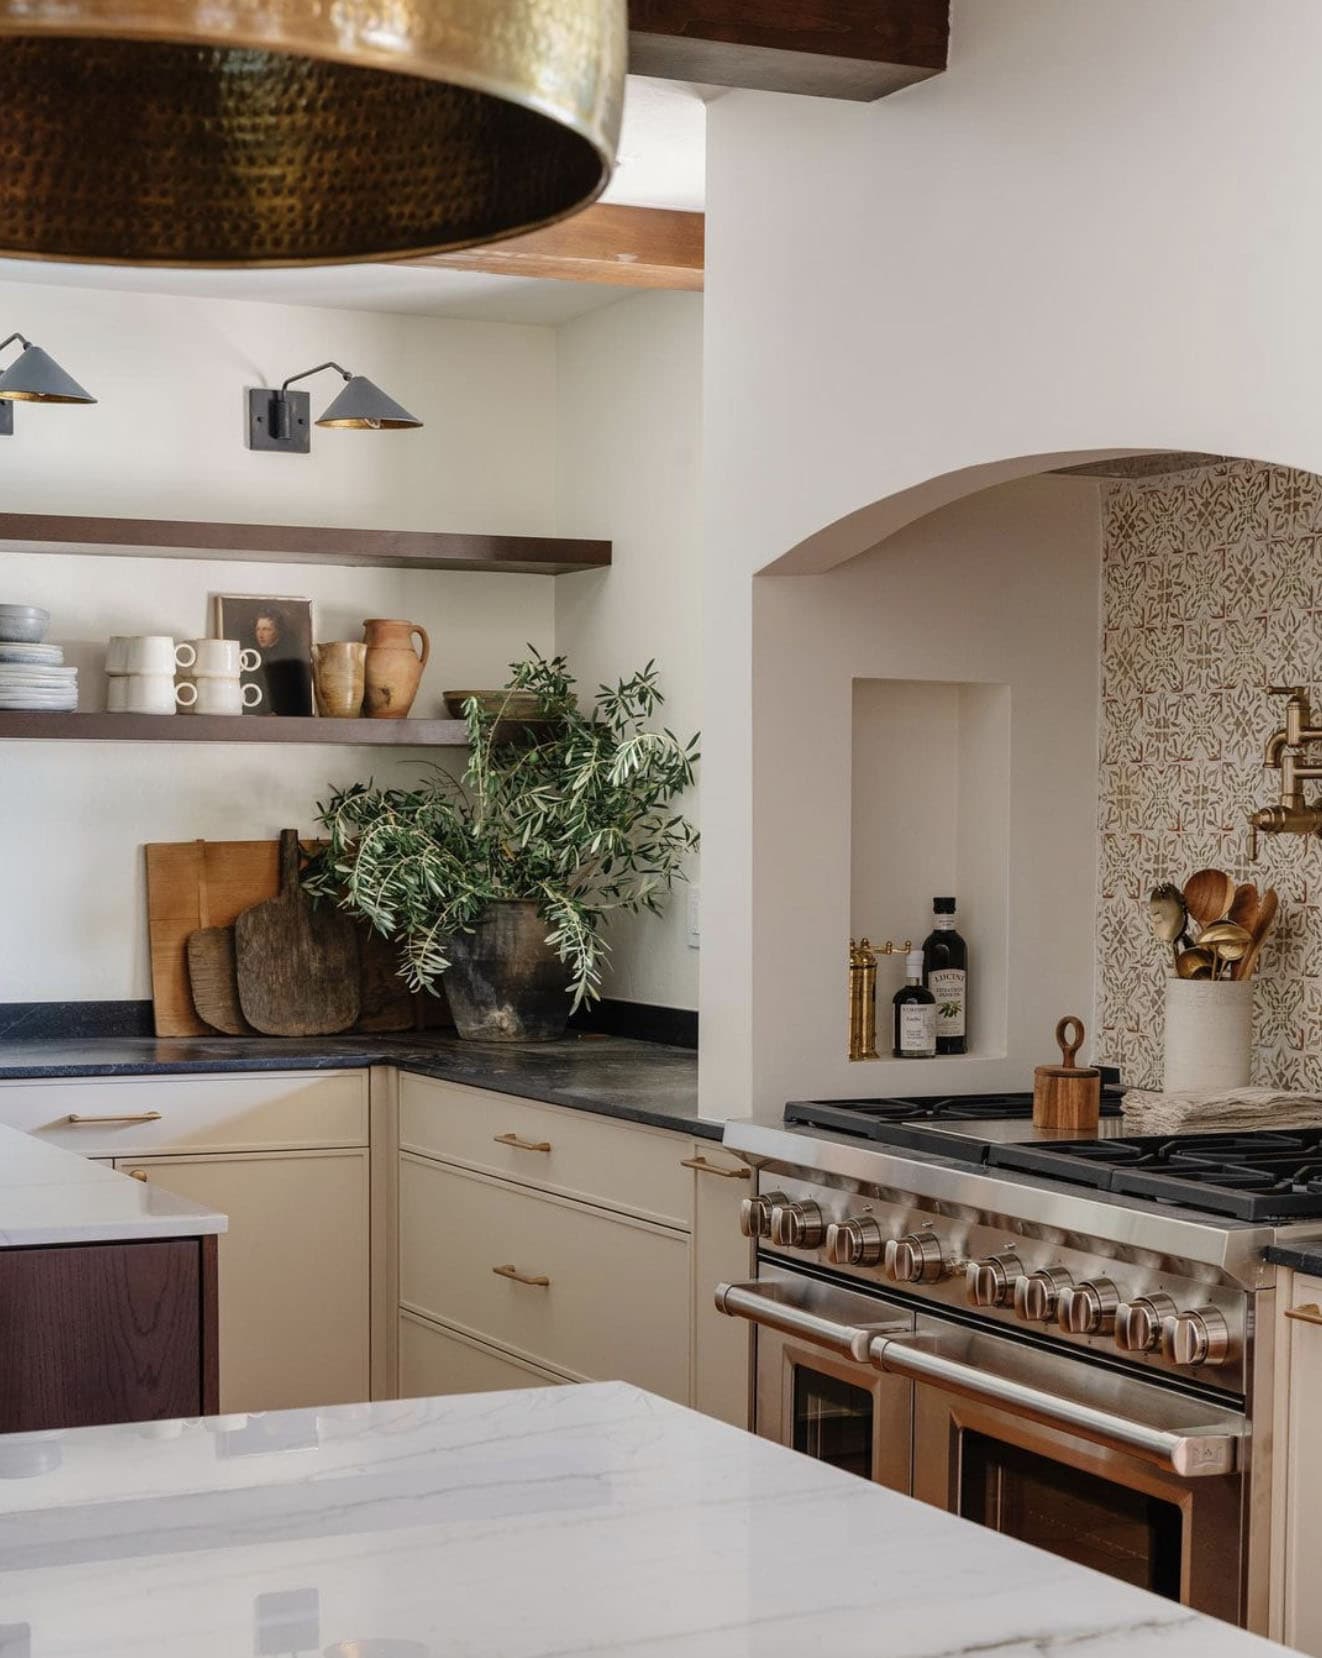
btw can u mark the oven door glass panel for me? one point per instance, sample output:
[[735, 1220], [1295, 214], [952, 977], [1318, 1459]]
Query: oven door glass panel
[[833, 1421], [1127, 1534]]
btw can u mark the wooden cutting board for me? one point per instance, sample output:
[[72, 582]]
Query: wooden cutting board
[[235, 875], [296, 961]]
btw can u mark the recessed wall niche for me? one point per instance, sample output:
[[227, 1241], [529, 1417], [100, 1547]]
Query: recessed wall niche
[[931, 815]]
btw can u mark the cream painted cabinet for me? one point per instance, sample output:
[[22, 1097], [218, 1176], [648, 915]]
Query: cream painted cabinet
[[1297, 1586], [556, 1244], [293, 1271]]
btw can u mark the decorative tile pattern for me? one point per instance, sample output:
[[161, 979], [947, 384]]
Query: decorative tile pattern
[[1211, 592]]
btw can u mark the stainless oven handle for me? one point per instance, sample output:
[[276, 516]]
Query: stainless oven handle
[[764, 1304], [1190, 1453]]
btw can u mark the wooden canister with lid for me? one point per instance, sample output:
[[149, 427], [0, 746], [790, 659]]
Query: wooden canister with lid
[[1067, 1096]]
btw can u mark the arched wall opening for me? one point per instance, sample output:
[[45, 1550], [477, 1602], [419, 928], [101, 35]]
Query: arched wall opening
[[1043, 690]]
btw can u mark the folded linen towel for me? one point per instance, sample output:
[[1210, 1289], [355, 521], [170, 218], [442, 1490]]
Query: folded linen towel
[[1222, 1112]]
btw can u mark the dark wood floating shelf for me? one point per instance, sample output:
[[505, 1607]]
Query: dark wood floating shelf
[[546, 555], [222, 728]]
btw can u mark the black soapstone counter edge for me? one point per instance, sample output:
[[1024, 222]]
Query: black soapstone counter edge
[[1303, 1257]]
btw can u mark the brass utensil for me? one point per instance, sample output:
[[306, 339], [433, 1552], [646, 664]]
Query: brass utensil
[[1245, 968], [1208, 895], [1168, 916], [1226, 941], [1195, 964]]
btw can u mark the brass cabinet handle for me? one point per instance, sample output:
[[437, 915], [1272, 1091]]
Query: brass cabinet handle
[[522, 1145], [704, 1167], [1309, 1313], [137, 1174], [75, 1120], [538, 1280]]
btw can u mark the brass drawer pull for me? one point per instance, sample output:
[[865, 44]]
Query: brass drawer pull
[[522, 1145], [76, 1121], [1309, 1313], [538, 1280], [704, 1167], [137, 1174]]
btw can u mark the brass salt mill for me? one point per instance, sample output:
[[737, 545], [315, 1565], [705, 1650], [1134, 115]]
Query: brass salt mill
[[863, 956]]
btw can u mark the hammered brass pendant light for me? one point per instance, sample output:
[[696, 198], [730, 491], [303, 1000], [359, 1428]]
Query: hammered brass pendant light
[[288, 132]]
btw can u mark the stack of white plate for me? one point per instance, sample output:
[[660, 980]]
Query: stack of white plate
[[34, 677]]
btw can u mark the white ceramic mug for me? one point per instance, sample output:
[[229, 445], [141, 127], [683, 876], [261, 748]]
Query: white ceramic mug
[[147, 653], [221, 659], [222, 696], [147, 694]]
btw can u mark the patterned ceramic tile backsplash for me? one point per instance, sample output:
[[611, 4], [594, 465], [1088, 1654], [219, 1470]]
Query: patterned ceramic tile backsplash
[[1212, 590]]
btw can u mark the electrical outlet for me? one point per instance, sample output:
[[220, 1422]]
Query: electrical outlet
[[694, 916]]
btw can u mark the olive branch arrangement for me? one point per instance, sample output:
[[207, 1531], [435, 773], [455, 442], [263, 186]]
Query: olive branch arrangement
[[573, 814]]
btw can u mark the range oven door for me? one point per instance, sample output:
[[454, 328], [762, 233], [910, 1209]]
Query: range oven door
[[815, 1389], [982, 1451]]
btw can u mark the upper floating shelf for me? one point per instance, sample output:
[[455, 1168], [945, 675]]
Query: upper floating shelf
[[300, 544]]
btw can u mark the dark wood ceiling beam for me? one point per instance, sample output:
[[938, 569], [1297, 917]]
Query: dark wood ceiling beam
[[859, 49], [626, 247]]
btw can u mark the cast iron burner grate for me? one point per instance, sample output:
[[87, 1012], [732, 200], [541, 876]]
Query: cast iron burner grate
[[873, 1119], [1255, 1177]]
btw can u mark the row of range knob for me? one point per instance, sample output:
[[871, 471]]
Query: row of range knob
[[1092, 1307]]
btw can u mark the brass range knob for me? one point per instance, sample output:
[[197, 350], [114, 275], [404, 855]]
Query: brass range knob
[[1139, 1323], [991, 1283], [755, 1214], [1035, 1296], [916, 1259], [1200, 1337], [854, 1243], [1088, 1309], [797, 1225]]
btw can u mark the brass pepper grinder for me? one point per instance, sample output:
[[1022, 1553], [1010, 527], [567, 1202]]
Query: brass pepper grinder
[[862, 1000], [1067, 1096]]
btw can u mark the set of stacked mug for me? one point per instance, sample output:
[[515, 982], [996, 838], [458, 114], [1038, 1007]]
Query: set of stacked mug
[[142, 675]]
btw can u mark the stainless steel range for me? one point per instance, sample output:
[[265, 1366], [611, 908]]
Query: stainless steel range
[[1067, 1340]]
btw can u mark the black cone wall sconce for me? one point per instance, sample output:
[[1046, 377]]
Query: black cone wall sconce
[[279, 421], [34, 377]]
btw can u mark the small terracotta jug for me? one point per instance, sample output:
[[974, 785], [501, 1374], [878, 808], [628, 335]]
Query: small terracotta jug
[[337, 673], [393, 668]]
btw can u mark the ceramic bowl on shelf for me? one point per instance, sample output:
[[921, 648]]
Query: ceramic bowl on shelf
[[23, 623]]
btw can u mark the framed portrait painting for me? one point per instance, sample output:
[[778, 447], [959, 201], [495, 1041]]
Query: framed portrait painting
[[280, 631]]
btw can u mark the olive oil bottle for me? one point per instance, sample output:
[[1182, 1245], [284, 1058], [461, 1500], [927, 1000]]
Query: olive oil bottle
[[945, 973], [915, 1014]]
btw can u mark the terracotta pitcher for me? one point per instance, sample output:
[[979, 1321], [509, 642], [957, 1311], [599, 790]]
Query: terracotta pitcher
[[337, 674], [393, 667]]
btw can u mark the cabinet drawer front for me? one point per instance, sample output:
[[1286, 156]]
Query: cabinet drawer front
[[284, 1111], [433, 1361], [621, 1165], [616, 1304]]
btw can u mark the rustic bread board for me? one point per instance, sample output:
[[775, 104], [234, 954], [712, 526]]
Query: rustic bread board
[[236, 875]]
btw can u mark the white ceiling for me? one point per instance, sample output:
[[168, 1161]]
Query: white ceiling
[[662, 163]]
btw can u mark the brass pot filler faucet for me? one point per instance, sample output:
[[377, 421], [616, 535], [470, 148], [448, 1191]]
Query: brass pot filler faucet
[[1284, 752]]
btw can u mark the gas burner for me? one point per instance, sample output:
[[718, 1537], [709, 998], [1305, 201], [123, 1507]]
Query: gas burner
[[1264, 1176], [880, 1119]]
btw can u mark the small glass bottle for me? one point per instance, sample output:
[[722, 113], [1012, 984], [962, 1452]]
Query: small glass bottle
[[945, 973], [915, 1013]]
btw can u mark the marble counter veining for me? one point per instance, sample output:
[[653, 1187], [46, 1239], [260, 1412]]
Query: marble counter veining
[[541, 1524], [642, 1082], [52, 1196]]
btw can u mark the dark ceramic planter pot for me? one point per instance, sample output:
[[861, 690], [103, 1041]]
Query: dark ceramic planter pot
[[505, 983]]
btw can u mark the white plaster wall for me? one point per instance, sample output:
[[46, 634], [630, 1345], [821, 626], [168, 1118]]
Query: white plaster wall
[[167, 441], [1001, 589], [1087, 235], [630, 435]]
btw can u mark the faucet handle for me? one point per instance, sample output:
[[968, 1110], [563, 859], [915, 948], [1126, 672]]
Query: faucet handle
[[1300, 691]]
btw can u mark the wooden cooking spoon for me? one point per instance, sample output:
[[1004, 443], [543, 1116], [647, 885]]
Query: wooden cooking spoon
[[1208, 894], [1244, 968], [1244, 906]]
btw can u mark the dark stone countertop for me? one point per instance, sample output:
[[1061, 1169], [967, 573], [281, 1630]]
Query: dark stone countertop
[[1304, 1256], [642, 1082]]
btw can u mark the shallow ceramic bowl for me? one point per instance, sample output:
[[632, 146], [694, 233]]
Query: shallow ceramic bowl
[[515, 705], [23, 624]]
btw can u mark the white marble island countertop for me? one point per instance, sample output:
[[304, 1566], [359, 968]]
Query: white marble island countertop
[[557, 1521], [52, 1196]]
